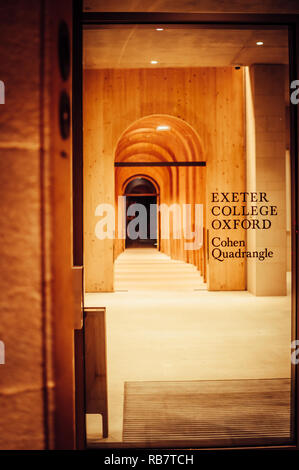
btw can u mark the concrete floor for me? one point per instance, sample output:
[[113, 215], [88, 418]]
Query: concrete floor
[[160, 328]]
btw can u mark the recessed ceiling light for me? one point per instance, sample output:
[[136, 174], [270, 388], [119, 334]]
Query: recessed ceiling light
[[159, 29], [154, 61], [162, 128], [259, 43]]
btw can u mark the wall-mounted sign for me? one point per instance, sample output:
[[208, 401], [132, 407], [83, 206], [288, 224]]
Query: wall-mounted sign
[[239, 211]]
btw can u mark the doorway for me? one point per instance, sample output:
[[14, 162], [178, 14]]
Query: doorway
[[227, 293], [141, 197]]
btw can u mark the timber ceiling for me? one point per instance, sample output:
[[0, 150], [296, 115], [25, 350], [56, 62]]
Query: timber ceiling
[[194, 6], [135, 46]]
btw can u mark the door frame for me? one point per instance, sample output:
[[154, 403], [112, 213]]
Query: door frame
[[157, 194], [201, 20], [77, 194]]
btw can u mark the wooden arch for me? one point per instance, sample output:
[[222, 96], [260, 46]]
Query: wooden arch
[[143, 141]]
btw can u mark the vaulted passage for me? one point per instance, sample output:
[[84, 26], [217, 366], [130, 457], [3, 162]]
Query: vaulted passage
[[166, 140], [163, 118]]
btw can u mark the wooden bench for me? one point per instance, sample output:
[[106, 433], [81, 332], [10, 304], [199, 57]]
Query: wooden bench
[[96, 401]]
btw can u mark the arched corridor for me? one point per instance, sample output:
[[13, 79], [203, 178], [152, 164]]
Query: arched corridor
[[163, 146]]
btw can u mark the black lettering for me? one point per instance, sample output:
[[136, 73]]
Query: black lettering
[[213, 212], [224, 197], [216, 222], [263, 197], [213, 241], [216, 253], [226, 224]]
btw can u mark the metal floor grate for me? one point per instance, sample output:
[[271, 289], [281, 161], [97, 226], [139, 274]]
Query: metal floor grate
[[218, 412]]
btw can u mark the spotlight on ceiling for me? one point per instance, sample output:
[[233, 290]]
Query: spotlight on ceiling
[[162, 128], [154, 61], [259, 43]]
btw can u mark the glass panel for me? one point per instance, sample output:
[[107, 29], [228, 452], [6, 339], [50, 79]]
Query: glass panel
[[196, 279], [145, 46], [185, 6]]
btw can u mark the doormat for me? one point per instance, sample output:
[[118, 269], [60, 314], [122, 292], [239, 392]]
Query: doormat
[[208, 413]]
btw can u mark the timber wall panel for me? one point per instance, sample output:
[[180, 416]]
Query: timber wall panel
[[208, 99]]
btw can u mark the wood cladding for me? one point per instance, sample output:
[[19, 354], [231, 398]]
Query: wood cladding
[[210, 101], [96, 365]]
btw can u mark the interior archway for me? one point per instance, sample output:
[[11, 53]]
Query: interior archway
[[141, 199], [161, 142], [140, 185]]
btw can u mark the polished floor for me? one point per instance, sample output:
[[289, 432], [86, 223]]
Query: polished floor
[[163, 325]]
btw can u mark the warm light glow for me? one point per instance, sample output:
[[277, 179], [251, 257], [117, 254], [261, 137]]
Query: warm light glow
[[154, 61], [259, 43], [162, 128], [159, 29]]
